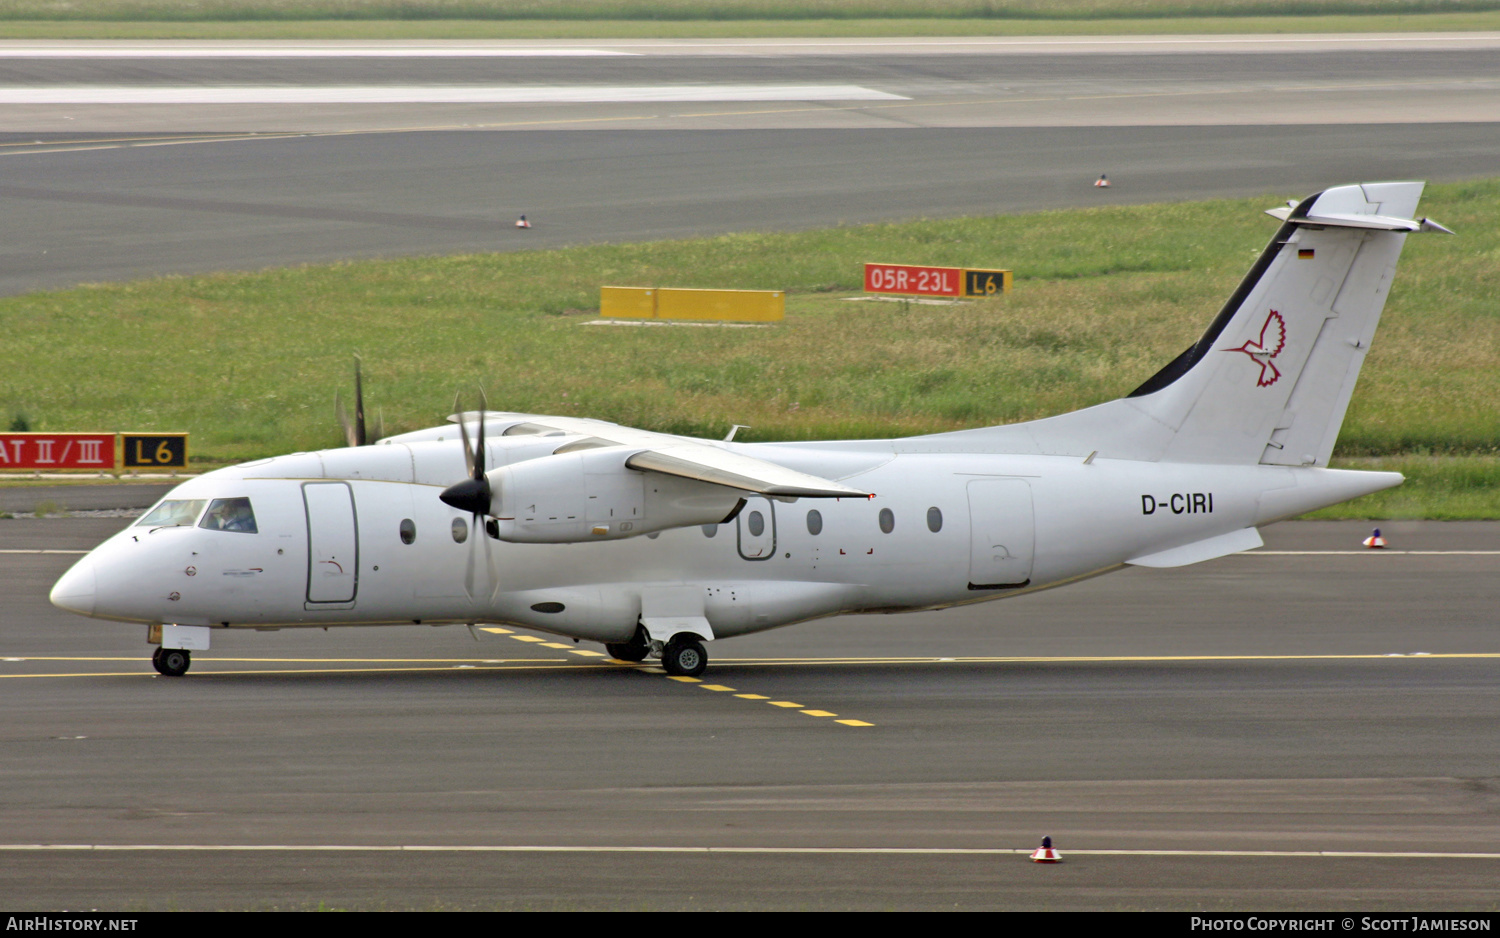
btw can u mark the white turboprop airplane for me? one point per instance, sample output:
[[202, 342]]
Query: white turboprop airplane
[[654, 544]]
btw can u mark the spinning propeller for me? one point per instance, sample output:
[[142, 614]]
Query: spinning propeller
[[354, 433], [472, 494]]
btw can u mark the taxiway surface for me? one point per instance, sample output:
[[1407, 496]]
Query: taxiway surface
[[1310, 727], [132, 159]]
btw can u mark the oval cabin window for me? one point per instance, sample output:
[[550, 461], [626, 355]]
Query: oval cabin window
[[887, 520], [934, 520], [815, 522]]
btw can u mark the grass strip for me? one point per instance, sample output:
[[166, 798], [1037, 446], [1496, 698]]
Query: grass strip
[[249, 362]]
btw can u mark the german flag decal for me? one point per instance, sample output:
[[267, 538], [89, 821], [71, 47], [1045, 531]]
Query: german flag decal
[[1304, 254]]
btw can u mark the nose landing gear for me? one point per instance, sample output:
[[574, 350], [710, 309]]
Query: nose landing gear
[[172, 662]]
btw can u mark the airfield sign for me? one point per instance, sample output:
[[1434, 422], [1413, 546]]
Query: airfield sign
[[915, 280]]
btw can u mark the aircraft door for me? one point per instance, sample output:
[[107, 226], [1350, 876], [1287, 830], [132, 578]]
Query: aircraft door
[[1002, 533], [756, 525], [332, 543]]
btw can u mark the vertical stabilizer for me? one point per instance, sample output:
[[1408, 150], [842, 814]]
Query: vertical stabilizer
[[1270, 380]]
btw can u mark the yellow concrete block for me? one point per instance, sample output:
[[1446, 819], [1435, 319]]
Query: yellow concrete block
[[627, 302], [726, 305]]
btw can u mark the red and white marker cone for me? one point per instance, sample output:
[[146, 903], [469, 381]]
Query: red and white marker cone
[[1375, 541], [522, 222], [1102, 182], [1045, 853]]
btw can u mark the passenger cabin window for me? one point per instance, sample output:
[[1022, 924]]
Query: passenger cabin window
[[887, 520], [408, 529], [174, 511], [815, 522], [230, 514], [934, 520], [756, 523]]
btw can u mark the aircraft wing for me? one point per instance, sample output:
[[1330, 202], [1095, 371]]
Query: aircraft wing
[[693, 459]]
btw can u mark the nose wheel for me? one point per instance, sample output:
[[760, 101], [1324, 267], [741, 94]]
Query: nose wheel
[[173, 662]]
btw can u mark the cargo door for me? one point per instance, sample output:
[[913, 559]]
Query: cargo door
[[332, 544], [1002, 534]]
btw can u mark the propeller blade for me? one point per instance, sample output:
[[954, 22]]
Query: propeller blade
[[338, 408], [472, 494], [484, 408], [463, 429], [359, 406]]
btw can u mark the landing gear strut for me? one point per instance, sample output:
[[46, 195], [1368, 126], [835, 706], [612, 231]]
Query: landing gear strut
[[173, 662], [684, 656], [634, 650]]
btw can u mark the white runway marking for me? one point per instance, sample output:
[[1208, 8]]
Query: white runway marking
[[187, 51], [434, 94], [1367, 551], [877, 851]]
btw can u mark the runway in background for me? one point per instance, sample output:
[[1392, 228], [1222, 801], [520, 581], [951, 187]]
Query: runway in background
[[96, 190]]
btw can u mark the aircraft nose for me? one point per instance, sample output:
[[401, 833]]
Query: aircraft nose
[[77, 589]]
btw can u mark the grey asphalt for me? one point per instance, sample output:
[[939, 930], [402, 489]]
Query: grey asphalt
[[109, 192], [1326, 702], [1277, 702], [102, 215]]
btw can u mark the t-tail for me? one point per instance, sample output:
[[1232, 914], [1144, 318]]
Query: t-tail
[[1270, 380]]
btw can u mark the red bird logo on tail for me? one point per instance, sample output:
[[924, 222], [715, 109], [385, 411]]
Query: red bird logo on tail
[[1272, 341]]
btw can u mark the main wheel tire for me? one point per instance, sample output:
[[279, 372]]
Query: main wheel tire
[[173, 662], [684, 656], [628, 651]]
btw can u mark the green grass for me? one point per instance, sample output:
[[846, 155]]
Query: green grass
[[249, 362], [1440, 488]]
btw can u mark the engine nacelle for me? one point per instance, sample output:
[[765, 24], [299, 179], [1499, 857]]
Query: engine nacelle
[[591, 495]]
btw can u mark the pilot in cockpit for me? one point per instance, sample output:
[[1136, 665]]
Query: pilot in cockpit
[[230, 514]]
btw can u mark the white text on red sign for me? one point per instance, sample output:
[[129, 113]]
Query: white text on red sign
[[57, 451], [911, 280]]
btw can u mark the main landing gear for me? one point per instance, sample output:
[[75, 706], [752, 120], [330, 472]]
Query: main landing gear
[[634, 650], [684, 656], [173, 662]]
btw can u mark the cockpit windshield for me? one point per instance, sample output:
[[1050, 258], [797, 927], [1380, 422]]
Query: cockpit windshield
[[230, 514], [174, 511]]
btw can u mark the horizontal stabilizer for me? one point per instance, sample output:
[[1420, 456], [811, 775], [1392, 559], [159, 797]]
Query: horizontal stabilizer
[[1375, 222]]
